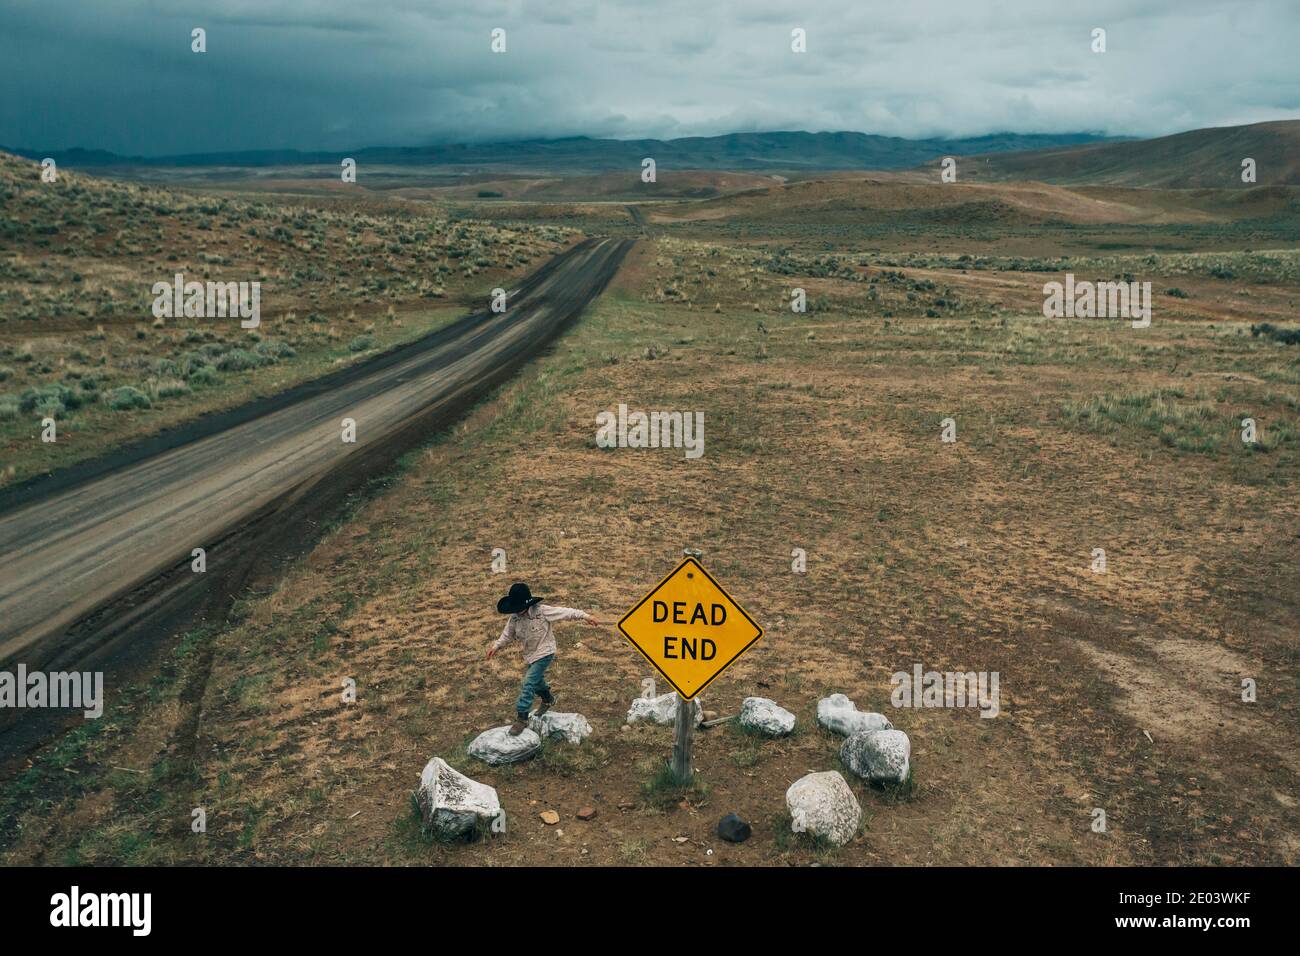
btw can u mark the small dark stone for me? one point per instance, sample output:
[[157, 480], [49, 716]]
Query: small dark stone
[[733, 829]]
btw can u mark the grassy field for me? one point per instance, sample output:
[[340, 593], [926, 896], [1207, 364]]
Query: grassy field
[[342, 276], [1120, 691]]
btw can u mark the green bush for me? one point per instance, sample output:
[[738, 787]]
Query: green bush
[[213, 350], [169, 388], [361, 343], [202, 375], [49, 399], [275, 350], [125, 397], [1276, 333], [240, 360], [50, 407], [191, 362]]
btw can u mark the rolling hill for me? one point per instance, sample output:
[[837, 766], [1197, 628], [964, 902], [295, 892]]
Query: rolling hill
[[892, 198], [1196, 159]]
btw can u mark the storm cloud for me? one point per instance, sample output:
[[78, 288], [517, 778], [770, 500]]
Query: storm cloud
[[333, 74]]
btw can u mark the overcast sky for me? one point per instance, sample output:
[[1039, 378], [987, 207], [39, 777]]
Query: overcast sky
[[333, 74]]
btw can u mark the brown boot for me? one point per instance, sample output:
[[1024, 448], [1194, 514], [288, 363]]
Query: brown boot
[[546, 705], [518, 726]]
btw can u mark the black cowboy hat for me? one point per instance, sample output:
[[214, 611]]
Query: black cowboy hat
[[519, 599]]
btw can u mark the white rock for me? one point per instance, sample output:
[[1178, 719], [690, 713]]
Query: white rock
[[661, 709], [840, 715], [822, 804], [572, 727], [451, 804], [496, 746], [881, 756], [766, 717]]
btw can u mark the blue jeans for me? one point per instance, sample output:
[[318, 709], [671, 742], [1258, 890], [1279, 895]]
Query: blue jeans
[[534, 683]]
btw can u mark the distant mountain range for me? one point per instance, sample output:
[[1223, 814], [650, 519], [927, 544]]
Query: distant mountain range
[[738, 151], [1198, 158]]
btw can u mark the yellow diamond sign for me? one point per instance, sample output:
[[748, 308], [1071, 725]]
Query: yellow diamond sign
[[689, 628]]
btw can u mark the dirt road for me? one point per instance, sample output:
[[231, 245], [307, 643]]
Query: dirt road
[[88, 538]]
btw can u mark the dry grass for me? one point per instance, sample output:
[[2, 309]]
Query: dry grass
[[79, 258], [973, 556]]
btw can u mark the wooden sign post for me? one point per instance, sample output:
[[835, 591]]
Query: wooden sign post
[[690, 630], [683, 768]]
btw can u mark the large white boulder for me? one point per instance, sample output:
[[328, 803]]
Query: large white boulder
[[497, 747], [572, 727], [821, 804], [840, 715], [451, 804], [660, 710], [766, 717], [881, 756]]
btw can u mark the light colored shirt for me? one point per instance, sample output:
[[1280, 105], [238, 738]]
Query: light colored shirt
[[534, 629]]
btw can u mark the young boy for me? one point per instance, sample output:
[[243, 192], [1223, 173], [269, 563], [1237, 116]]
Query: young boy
[[530, 622]]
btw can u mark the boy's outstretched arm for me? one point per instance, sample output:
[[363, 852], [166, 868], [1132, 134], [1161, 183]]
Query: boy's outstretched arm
[[507, 635], [554, 614]]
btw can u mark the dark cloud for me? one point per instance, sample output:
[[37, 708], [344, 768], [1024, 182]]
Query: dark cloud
[[335, 74]]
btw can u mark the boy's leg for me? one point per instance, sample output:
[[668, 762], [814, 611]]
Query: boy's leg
[[523, 702], [526, 691], [534, 683], [543, 688]]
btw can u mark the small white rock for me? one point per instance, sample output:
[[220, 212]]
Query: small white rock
[[766, 717], [881, 756], [840, 715], [822, 804], [496, 746], [660, 710], [572, 727], [450, 803]]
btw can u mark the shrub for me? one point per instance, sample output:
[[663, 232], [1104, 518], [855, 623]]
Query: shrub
[[210, 351], [361, 343], [191, 362], [1277, 334], [49, 399], [50, 407], [125, 397], [275, 350], [168, 388], [202, 375], [239, 360]]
